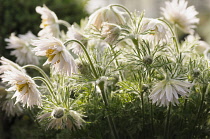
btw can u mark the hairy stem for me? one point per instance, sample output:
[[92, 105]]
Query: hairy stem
[[166, 130], [87, 55]]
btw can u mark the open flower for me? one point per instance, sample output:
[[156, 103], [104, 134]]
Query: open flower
[[155, 31], [25, 87], [168, 91], [107, 14], [22, 48], [8, 65], [178, 13], [60, 118], [49, 23], [60, 59]]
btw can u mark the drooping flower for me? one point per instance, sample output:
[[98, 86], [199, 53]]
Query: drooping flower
[[8, 65], [8, 105], [155, 31], [60, 59], [25, 88], [168, 91], [61, 118], [22, 48], [107, 14], [178, 13], [49, 23], [74, 33], [110, 32], [193, 42]]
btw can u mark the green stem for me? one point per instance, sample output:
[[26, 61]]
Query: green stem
[[48, 86], [143, 117], [184, 108], [31, 114], [117, 64], [39, 70], [117, 5], [86, 53], [173, 33], [166, 130], [152, 120], [62, 22], [204, 91], [110, 119]]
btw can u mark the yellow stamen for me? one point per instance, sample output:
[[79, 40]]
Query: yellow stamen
[[44, 23], [49, 54], [20, 87]]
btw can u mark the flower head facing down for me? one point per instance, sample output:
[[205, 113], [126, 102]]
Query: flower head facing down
[[168, 91], [8, 65], [75, 34], [110, 32], [49, 23], [60, 59], [155, 30], [8, 105], [22, 48], [178, 13], [193, 42], [25, 88], [61, 118], [107, 14]]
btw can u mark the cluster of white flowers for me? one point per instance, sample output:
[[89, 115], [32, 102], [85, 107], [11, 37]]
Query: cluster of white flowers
[[152, 42]]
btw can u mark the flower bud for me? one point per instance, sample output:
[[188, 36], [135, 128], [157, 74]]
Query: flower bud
[[58, 112], [147, 60], [145, 87], [110, 32], [107, 14], [196, 73]]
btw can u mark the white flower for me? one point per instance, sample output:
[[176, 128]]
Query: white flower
[[8, 65], [106, 14], [207, 54], [193, 42], [60, 59], [168, 91], [73, 33], [9, 106], [155, 31], [25, 87], [22, 48], [110, 32], [49, 23], [60, 118], [178, 13]]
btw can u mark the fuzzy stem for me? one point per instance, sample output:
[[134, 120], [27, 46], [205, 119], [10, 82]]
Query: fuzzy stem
[[117, 5], [204, 91], [143, 117], [39, 70], [152, 120], [117, 64], [62, 22], [166, 130], [173, 33], [48, 86], [86, 53], [109, 118]]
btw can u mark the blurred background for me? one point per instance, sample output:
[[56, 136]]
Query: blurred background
[[19, 16]]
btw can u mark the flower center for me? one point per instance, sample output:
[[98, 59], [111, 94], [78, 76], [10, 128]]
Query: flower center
[[44, 23], [49, 54], [20, 87]]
